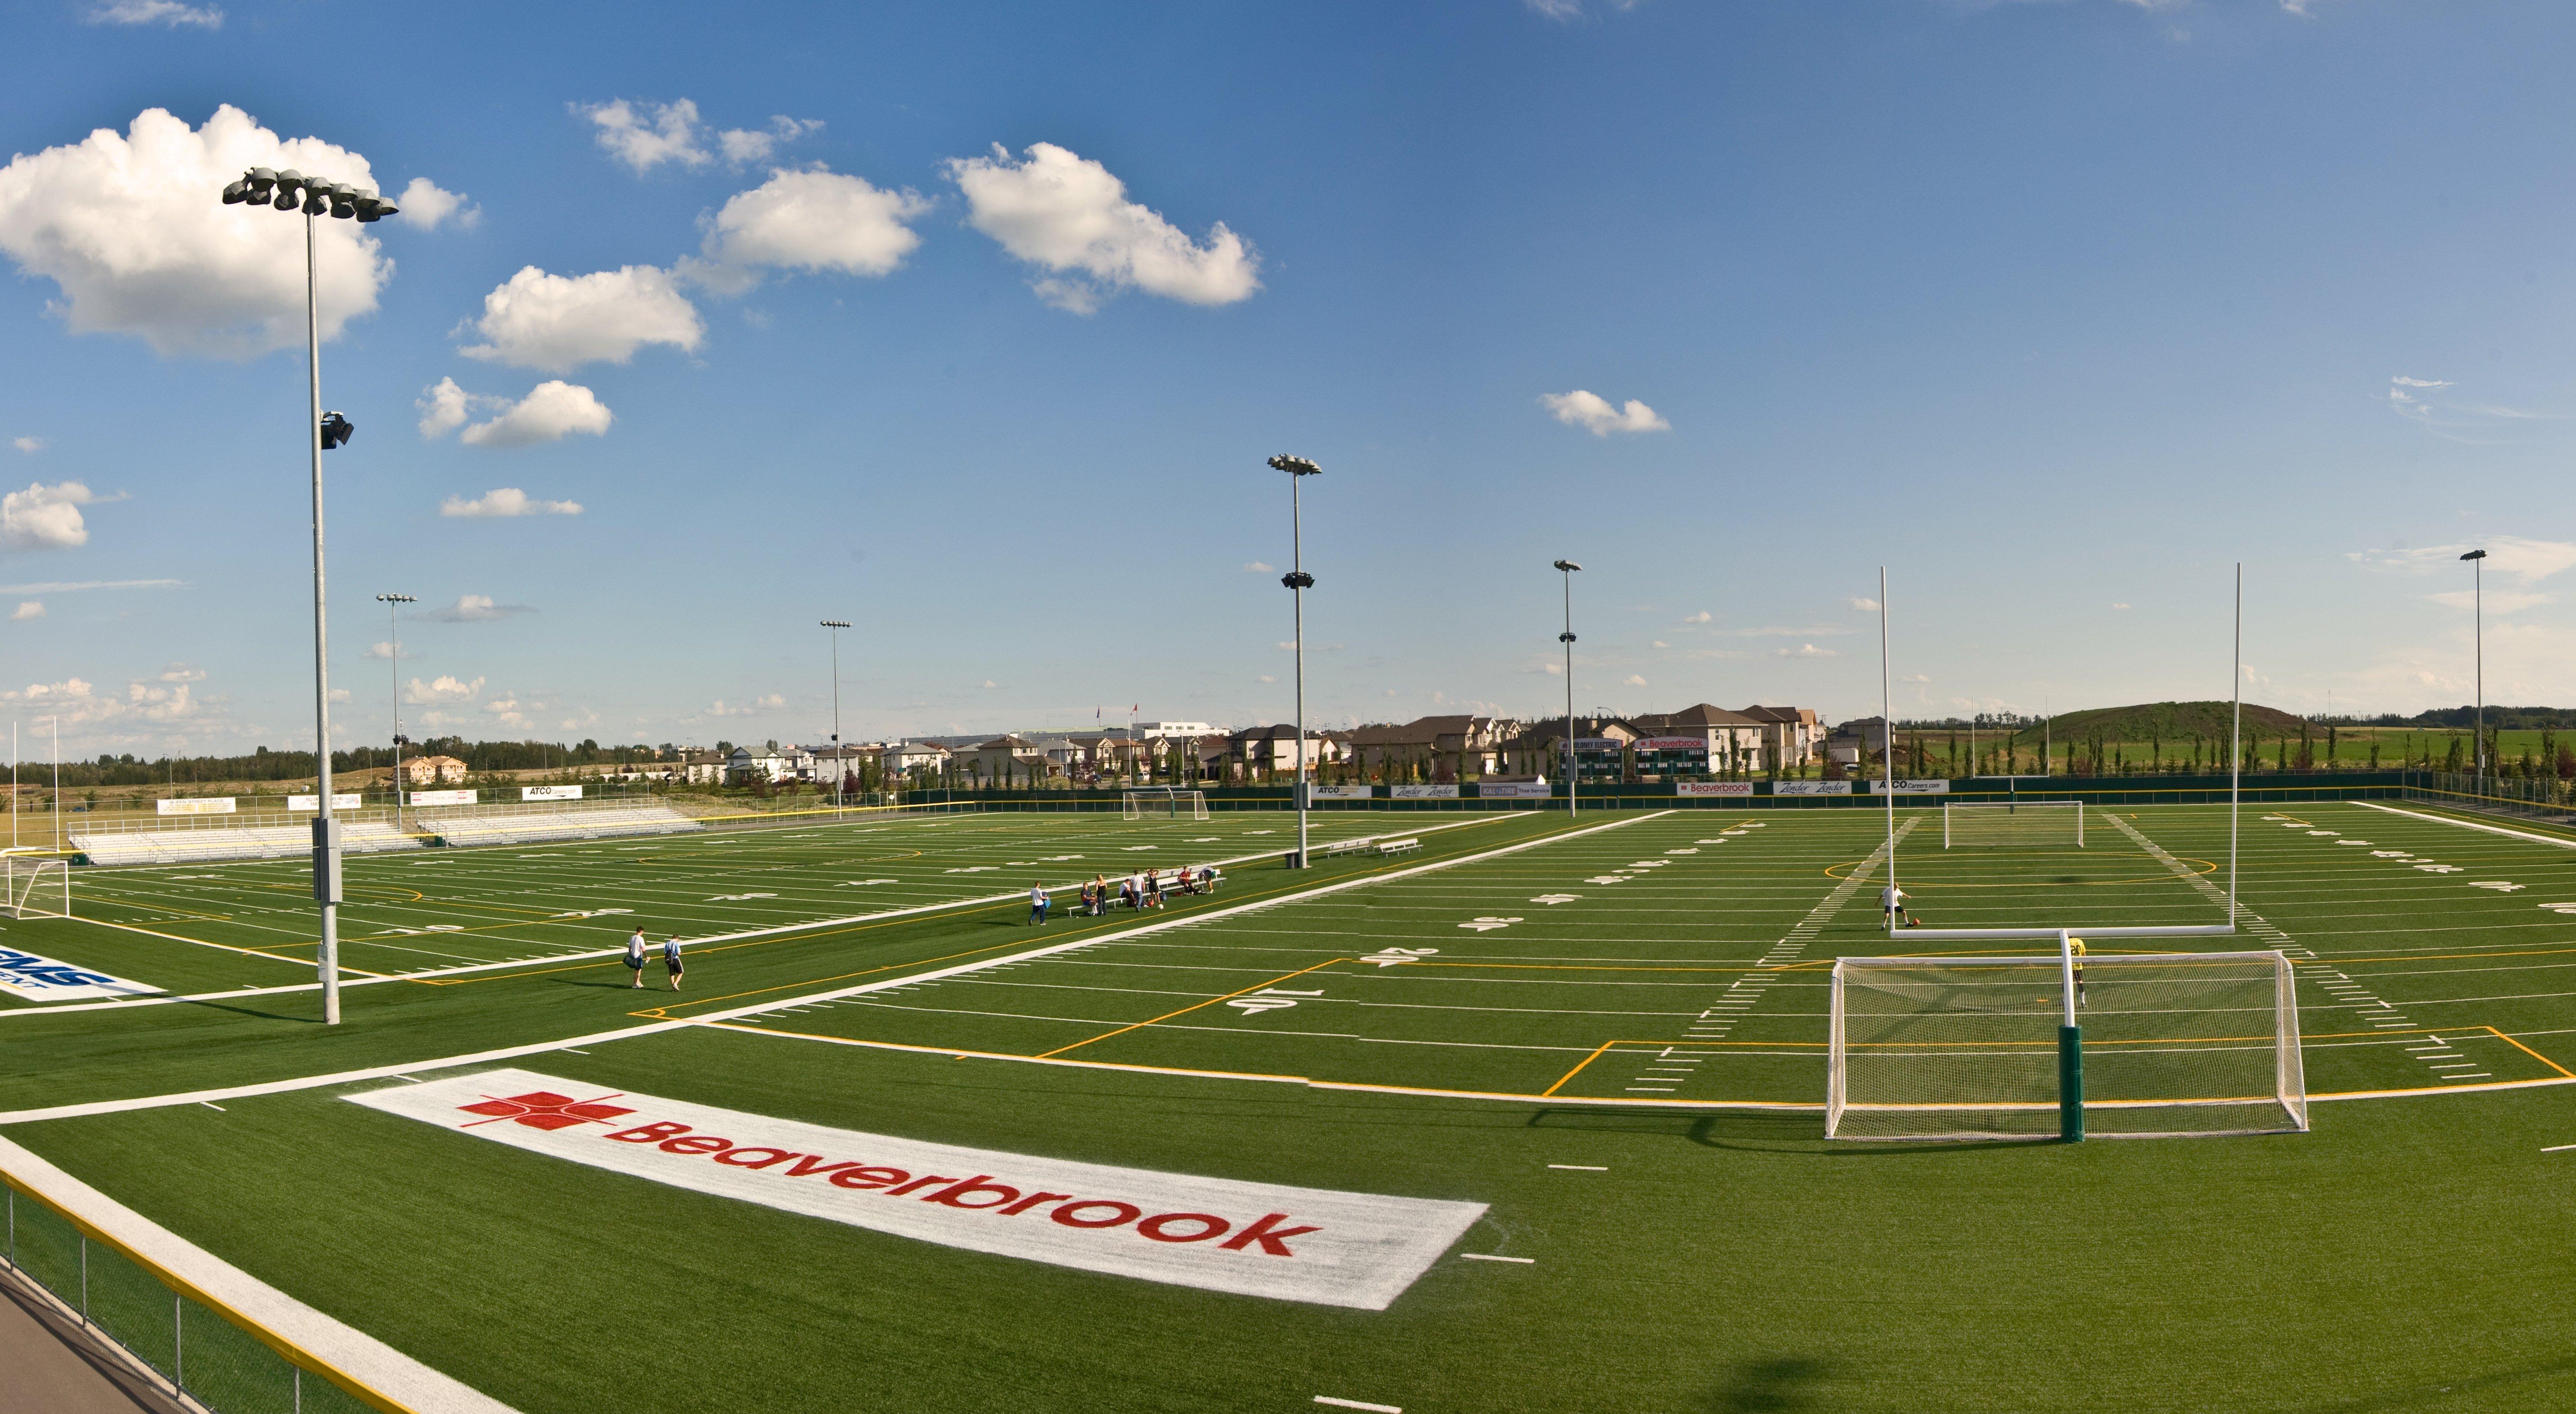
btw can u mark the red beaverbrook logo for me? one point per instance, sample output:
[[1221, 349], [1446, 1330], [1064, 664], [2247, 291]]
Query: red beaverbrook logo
[[1266, 1235], [544, 1109]]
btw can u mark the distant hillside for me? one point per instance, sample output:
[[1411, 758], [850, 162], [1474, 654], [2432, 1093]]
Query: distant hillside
[[2168, 722]]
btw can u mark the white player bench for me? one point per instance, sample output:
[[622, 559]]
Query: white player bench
[[1346, 847], [1403, 846]]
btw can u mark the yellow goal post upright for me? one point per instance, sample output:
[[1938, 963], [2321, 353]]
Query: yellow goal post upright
[[35, 888], [1996, 1048]]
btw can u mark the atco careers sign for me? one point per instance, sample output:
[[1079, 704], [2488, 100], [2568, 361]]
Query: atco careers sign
[[1712, 788], [194, 807], [314, 802], [1512, 790], [1338, 792], [1910, 787], [1422, 792], [41, 979], [1257, 1239], [549, 792], [1811, 788]]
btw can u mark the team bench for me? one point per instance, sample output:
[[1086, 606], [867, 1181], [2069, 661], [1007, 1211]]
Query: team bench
[[1403, 846]]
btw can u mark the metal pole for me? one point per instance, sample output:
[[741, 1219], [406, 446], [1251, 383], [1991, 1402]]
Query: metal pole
[[56, 723], [2236, 745], [1887, 739], [326, 843], [840, 752], [393, 650], [1565, 571], [1297, 596], [2478, 633]]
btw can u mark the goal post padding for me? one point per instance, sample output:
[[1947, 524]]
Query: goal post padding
[[35, 888], [1967, 1048], [2008, 824], [1162, 802]]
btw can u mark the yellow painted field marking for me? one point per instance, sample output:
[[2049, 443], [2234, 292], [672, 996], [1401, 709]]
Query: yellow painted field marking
[[222, 947], [1184, 1011]]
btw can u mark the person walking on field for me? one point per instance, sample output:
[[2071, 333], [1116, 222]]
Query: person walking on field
[[1038, 901], [635, 955], [1893, 900], [671, 959]]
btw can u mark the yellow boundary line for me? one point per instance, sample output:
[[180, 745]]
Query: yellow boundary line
[[225, 947], [1184, 1011]]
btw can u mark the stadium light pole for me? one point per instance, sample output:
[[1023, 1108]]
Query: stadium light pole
[[1565, 571], [322, 432], [393, 660], [2478, 639], [840, 754], [1298, 582]]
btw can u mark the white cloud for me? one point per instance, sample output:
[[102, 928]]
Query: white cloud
[[552, 411], [128, 228], [1265, 677], [1915, 677], [1552, 669], [1257, 567], [558, 323], [384, 650], [181, 672], [45, 517], [1657, 643], [1806, 650], [1066, 214], [475, 609], [154, 12], [1863, 603], [443, 408], [506, 501], [2405, 382], [65, 586], [812, 220], [770, 703], [2523, 561], [426, 205], [29, 445], [2119, 606], [443, 689], [1568, 11], [2503, 601], [1594, 414], [646, 135], [28, 610], [1633, 680], [1699, 618], [78, 702]]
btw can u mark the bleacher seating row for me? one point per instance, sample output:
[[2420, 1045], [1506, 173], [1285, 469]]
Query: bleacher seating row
[[375, 836]]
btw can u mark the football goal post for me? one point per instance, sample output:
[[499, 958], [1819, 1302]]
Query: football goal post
[[1162, 803], [2026, 824], [2137, 1045], [35, 888]]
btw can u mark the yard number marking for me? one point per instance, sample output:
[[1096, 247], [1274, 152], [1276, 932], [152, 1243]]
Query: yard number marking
[[1487, 925], [1391, 956], [1270, 999]]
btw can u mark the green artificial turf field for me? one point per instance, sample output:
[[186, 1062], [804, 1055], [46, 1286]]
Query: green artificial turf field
[[1609, 1031]]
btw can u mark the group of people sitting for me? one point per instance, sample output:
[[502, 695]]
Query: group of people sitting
[[1141, 890]]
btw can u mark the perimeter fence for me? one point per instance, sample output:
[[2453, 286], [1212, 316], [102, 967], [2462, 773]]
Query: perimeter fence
[[2530, 797], [205, 1356]]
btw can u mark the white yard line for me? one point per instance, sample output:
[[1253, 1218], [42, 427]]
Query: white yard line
[[274, 1087], [2468, 824]]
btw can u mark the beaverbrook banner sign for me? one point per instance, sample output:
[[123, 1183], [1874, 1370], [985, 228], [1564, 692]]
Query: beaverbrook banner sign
[[1258, 1239]]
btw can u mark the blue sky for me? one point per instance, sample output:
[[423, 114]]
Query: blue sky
[[973, 326]]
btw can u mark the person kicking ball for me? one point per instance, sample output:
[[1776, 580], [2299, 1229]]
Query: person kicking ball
[[1893, 900]]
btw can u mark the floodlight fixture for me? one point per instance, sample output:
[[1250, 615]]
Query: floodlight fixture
[[840, 752], [1295, 466], [2475, 555], [1298, 582], [1565, 572], [336, 431]]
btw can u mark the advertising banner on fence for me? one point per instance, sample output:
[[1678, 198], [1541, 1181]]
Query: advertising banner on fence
[[442, 797], [1320, 1245], [1512, 790], [41, 979], [1712, 788], [1338, 792], [195, 807], [1903, 787], [1811, 788], [549, 792], [1423, 792], [314, 802], [1672, 743], [1598, 743]]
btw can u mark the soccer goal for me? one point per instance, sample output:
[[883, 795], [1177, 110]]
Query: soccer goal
[[2027, 824], [2138, 1045], [35, 888], [1162, 802]]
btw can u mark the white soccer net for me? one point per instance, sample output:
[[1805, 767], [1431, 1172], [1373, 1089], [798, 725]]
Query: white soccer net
[[2024, 823], [35, 888], [1162, 802], [1966, 1047]]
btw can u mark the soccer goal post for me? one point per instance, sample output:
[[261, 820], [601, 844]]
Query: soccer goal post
[[1162, 803], [2166, 1044], [35, 888], [2027, 824]]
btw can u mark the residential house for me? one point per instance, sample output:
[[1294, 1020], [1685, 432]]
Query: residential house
[[1273, 749], [1443, 747], [1792, 737], [1700, 740], [433, 771], [1600, 747], [827, 764], [1009, 754], [764, 764], [703, 768], [1857, 740], [902, 758]]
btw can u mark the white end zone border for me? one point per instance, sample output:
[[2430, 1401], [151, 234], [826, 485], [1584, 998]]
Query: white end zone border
[[322, 1341], [2560, 841], [904, 979]]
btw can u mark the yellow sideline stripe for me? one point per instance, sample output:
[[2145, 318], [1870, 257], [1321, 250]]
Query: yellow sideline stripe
[[226, 947], [1184, 1011], [293, 1353]]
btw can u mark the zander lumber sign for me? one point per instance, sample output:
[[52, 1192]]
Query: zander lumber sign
[[1259, 1239]]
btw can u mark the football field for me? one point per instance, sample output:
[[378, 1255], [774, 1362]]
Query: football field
[[1561, 1082]]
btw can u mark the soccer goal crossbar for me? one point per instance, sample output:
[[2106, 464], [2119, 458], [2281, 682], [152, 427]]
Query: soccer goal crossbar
[[2055, 1047], [2177, 930], [1162, 802], [2012, 823]]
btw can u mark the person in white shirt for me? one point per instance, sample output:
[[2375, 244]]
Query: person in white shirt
[[1038, 901], [635, 955], [1893, 899]]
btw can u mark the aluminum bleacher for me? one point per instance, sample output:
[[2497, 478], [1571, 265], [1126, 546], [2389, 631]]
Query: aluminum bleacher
[[273, 838], [541, 827], [238, 842]]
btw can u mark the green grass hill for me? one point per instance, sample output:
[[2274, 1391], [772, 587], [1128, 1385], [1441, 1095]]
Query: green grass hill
[[2168, 722]]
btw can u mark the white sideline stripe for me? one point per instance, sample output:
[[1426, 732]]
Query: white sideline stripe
[[1605, 1168], [379, 1072], [2468, 824], [345, 1348], [506, 963], [1490, 1257], [1359, 1404], [2558, 1148]]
